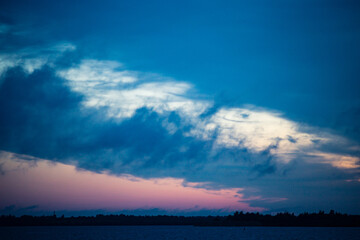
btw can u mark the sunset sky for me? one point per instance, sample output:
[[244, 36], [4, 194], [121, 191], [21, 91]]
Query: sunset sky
[[179, 107]]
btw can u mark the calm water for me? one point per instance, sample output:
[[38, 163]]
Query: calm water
[[177, 232]]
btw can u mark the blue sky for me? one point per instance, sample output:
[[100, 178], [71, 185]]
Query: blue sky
[[258, 95]]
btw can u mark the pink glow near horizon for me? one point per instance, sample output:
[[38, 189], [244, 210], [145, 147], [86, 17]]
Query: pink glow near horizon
[[62, 187]]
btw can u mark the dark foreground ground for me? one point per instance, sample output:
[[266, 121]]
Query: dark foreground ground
[[177, 232], [319, 219]]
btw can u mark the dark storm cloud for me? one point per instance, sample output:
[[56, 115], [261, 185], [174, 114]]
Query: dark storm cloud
[[269, 165], [300, 58], [39, 114], [41, 117], [310, 186], [312, 45], [348, 122]]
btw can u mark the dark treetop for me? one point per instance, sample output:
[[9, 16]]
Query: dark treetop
[[320, 219]]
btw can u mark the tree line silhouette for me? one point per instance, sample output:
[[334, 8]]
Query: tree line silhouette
[[320, 219]]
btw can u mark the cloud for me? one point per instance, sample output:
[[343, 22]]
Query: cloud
[[66, 188], [99, 116], [122, 92], [94, 73], [338, 160], [4, 28], [149, 120], [107, 85], [31, 59], [257, 129], [50, 122]]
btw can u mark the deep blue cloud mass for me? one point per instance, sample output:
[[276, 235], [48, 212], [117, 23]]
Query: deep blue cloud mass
[[301, 58], [41, 117]]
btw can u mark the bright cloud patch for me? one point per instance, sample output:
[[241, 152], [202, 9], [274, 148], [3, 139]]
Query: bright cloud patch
[[93, 73], [34, 58], [105, 84], [338, 160], [177, 150], [259, 130], [122, 92]]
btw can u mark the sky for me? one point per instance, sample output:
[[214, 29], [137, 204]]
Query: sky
[[179, 107]]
